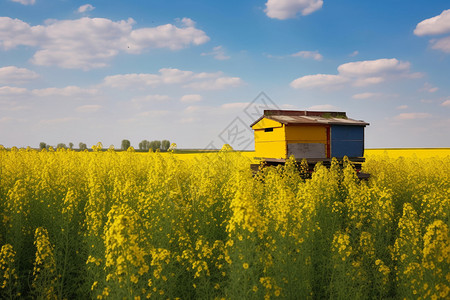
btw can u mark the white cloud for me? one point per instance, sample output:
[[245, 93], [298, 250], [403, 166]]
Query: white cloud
[[435, 25], [359, 73], [69, 91], [25, 2], [189, 79], [441, 44], [15, 75], [324, 107], [85, 8], [402, 107], [412, 116], [365, 95], [371, 67], [216, 84], [150, 98], [154, 113], [354, 53], [218, 53], [446, 103], [191, 98], [5, 120], [88, 108], [309, 54], [88, 43], [286, 9], [12, 91], [427, 87], [318, 80]]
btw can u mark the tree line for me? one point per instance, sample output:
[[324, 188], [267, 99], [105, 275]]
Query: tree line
[[144, 145]]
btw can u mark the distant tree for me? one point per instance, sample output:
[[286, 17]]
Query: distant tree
[[155, 145], [42, 145], [61, 145], [125, 144], [71, 145], [144, 145], [82, 146], [165, 145]]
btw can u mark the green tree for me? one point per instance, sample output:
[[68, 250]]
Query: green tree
[[61, 145], [155, 145], [125, 144], [144, 145], [71, 145], [82, 146], [42, 145], [165, 145]]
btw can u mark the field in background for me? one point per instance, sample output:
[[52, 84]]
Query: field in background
[[391, 152]]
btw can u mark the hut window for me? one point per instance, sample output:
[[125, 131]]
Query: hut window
[[268, 129]]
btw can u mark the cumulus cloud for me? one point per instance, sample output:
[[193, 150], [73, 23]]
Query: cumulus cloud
[[191, 98], [359, 73], [446, 103], [25, 2], [15, 75], [218, 53], [412, 116], [88, 43], [402, 107], [364, 95], [85, 8], [309, 54], [68, 91], [318, 80], [188, 79], [287, 9], [12, 91], [427, 87], [88, 108], [151, 98], [437, 25]]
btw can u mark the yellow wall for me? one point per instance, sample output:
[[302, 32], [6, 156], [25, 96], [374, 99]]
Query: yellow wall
[[270, 149], [306, 134], [270, 144]]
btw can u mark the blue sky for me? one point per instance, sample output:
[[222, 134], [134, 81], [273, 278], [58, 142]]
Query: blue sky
[[190, 71]]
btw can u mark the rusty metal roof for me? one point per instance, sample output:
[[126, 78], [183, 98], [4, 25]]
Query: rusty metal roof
[[310, 117]]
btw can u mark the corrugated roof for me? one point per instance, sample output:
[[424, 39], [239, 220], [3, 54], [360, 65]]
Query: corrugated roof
[[310, 117]]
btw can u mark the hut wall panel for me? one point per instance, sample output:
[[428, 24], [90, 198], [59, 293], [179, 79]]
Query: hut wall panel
[[270, 149], [266, 123], [306, 134], [347, 141], [306, 150], [278, 134]]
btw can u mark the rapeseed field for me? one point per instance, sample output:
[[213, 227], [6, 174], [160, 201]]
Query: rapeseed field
[[110, 225]]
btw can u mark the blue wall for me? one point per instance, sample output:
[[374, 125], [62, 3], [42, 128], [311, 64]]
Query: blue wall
[[347, 141]]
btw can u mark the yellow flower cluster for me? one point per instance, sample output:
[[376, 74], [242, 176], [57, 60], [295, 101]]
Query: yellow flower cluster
[[129, 225]]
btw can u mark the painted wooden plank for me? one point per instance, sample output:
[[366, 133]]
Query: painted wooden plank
[[340, 132], [305, 134], [266, 123], [270, 149], [306, 150], [340, 149], [278, 134]]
